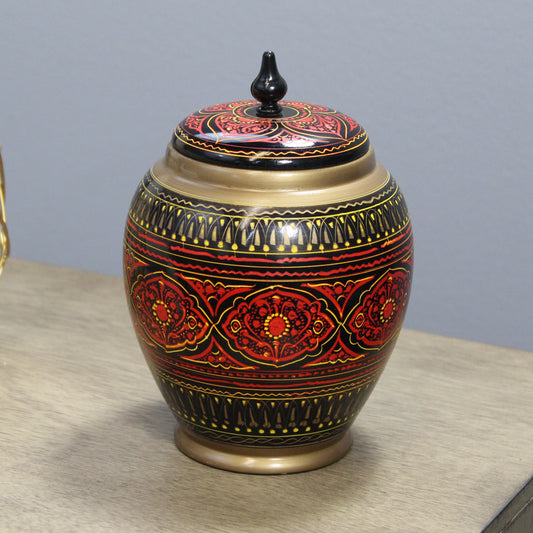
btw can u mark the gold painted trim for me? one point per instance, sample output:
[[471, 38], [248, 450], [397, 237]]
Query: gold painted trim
[[270, 188], [262, 460], [4, 236]]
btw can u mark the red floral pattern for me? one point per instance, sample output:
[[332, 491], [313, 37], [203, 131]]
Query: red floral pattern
[[277, 327], [214, 293], [131, 262], [339, 292], [338, 354], [380, 314], [307, 126], [167, 316]]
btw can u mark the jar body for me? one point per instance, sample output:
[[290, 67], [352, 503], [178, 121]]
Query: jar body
[[266, 328]]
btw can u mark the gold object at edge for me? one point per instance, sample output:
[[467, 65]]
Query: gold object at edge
[[254, 460], [4, 237]]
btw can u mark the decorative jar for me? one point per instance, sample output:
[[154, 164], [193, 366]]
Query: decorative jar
[[267, 265]]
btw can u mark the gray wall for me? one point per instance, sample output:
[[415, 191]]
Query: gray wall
[[90, 93]]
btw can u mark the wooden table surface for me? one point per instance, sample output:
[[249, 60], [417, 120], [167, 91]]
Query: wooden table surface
[[86, 441]]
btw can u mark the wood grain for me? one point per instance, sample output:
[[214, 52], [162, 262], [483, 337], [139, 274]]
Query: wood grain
[[86, 441]]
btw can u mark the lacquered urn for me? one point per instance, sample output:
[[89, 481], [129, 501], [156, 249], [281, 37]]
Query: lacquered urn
[[267, 265]]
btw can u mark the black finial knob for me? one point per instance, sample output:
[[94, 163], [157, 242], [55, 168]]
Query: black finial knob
[[269, 87]]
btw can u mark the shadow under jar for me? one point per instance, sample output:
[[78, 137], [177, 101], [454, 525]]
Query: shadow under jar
[[267, 264]]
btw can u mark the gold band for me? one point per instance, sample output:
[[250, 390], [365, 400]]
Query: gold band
[[268, 188], [262, 460]]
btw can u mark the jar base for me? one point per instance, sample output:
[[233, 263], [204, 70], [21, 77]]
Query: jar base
[[262, 460]]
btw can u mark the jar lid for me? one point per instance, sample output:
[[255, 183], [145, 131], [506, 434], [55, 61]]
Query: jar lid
[[270, 133]]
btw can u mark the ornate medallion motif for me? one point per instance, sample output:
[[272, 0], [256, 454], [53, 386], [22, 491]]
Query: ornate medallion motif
[[379, 316], [168, 317], [276, 327]]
